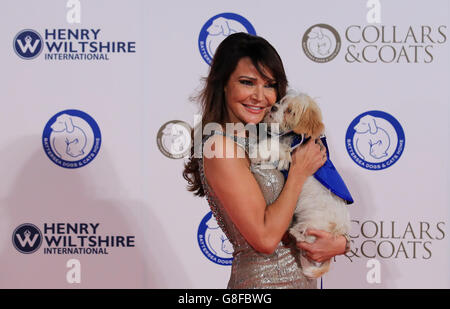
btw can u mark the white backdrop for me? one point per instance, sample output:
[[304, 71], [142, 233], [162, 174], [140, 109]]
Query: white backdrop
[[400, 215]]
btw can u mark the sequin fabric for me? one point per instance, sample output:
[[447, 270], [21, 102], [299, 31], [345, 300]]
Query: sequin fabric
[[251, 269]]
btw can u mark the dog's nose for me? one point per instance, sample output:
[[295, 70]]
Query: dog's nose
[[274, 109]]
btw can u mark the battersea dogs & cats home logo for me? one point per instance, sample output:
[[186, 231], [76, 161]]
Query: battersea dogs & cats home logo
[[217, 28], [321, 43], [213, 243], [71, 139], [174, 139], [375, 140]]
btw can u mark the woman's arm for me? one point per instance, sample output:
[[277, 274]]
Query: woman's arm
[[233, 183]]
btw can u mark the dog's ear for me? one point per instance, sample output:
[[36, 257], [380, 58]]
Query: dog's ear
[[68, 123], [372, 125], [310, 122], [223, 23]]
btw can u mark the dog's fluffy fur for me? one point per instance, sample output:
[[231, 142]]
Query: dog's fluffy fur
[[317, 207]]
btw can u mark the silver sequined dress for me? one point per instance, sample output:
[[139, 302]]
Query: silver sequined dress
[[252, 269]]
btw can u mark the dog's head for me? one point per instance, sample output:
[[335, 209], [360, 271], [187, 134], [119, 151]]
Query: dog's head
[[219, 26], [63, 123], [299, 113], [366, 124]]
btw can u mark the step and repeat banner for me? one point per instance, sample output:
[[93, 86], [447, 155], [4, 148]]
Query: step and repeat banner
[[97, 108]]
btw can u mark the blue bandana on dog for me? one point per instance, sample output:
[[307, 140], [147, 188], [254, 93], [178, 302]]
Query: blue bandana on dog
[[327, 175]]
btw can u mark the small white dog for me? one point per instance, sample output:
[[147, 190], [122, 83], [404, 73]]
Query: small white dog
[[317, 207]]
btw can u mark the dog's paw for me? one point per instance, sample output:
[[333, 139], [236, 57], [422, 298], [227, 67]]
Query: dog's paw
[[283, 165], [285, 159], [310, 239], [312, 269], [297, 234], [285, 154]]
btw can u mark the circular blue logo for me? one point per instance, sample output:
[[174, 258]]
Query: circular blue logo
[[375, 140], [27, 238], [28, 44], [217, 28], [213, 243], [71, 139]]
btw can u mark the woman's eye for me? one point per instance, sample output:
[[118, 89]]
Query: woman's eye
[[246, 82], [273, 85]]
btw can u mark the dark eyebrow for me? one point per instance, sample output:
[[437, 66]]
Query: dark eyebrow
[[269, 80], [244, 76]]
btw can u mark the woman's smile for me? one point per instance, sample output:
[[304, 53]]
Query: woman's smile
[[254, 109]]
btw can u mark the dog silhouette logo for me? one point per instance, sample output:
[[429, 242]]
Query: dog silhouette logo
[[217, 28], [213, 243], [68, 140], [71, 139], [27, 238], [375, 140], [28, 44], [174, 139], [321, 43]]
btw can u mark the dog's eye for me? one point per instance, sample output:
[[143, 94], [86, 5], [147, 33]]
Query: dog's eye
[[288, 110]]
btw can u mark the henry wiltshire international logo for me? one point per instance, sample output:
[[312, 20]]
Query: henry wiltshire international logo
[[28, 44], [217, 28], [27, 238], [375, 140], [61, 44], [321, 43], [71, 139], [63, 238]]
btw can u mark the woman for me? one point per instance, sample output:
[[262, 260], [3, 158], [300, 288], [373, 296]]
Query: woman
[[254, 206]]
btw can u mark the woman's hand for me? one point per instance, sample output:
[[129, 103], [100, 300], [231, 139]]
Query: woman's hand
[[324, 247], [306, 160]]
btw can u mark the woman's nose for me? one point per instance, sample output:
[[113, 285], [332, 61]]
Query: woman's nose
[[258, 94]]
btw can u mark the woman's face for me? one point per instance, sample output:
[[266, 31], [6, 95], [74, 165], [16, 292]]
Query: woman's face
[[248, 95]]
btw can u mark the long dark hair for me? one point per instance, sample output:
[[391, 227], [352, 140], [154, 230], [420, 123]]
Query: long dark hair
[[212, 98]]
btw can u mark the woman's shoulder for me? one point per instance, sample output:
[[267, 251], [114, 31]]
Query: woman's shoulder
[[219, 147]]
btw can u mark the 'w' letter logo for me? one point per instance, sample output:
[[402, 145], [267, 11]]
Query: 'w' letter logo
[[27, 238], [28, 44]]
